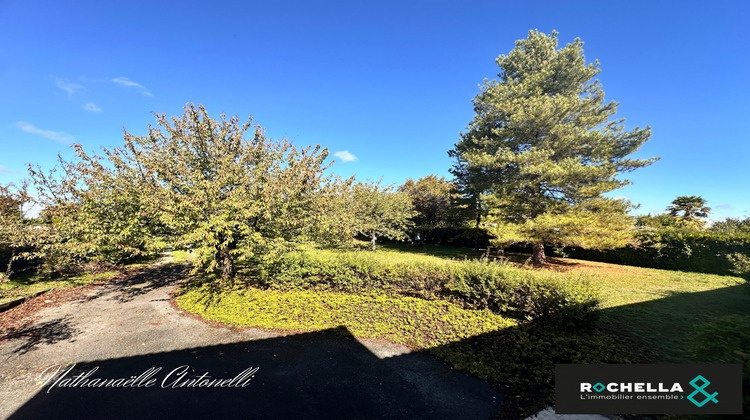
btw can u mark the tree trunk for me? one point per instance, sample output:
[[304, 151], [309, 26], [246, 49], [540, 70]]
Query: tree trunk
[[538, 257], [227, 265], [8, 270], [476, 230], [372, 242], [224, 260]]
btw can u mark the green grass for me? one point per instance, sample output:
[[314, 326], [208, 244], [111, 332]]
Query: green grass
[[416, 323], [441, 251], [26, 284], [664, 308], [499, 286], [181, 257], [22, 286]]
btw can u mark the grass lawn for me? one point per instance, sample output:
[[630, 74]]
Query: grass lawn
[[663, 308], [666, 309], [25, 284]]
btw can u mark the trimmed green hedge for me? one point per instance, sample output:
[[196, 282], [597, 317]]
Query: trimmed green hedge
[[674, 249], [500, 287]]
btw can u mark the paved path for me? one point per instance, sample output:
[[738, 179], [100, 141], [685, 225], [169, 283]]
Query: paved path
[[123, 329]]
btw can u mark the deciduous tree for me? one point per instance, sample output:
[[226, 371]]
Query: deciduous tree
[[16, 232], [431, 199], [381, 212], [220, 187]]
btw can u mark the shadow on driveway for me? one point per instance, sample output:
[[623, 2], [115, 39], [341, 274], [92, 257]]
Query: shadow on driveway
[[46, 333], [320, 375]]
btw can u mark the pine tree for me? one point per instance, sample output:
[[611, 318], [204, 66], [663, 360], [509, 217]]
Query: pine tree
[[542, 149]]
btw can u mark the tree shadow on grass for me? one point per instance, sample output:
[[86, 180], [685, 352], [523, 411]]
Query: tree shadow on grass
[[522, 358]]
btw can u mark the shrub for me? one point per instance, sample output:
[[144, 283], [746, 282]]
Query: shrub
[[740, 263], [352, 271], [473, 284], [524, 292]]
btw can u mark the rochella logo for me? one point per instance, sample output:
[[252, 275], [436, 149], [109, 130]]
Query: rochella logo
[[700, 389], [630, 387], [699, 383]]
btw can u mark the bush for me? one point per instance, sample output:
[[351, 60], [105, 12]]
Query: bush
[[740, 263], [524, 292], [473, 284]]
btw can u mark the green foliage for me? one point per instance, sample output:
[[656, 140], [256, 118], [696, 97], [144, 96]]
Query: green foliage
[[18, 235], [199, 183], [732, 226], [678, 249], [26, 284], [533, 294], [355, 271], [380, 211], [689, 211], [94, 209], [431, 198], [473, 284], [597, 223], [740, 263], [659, 221], [414, 322], [542, 149]]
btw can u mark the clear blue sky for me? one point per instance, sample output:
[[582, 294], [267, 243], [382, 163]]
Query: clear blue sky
[[389, 82]]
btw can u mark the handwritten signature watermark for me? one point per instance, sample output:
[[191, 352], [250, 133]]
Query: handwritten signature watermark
[[180, 377]]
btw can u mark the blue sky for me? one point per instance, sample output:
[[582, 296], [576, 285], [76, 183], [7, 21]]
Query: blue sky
[[389, 82]]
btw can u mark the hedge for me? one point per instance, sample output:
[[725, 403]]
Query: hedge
[[674, 249], [500, 287]]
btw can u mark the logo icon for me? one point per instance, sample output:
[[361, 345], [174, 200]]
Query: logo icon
[[700, 389]]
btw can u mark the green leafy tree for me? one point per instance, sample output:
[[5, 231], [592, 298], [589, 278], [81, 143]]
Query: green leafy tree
[[689, 211], [431, 198], [542, 149], [381, 212], [659, 221], [96, 209], [199, 183], [16, 231], [732, 226], [468, 206]]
